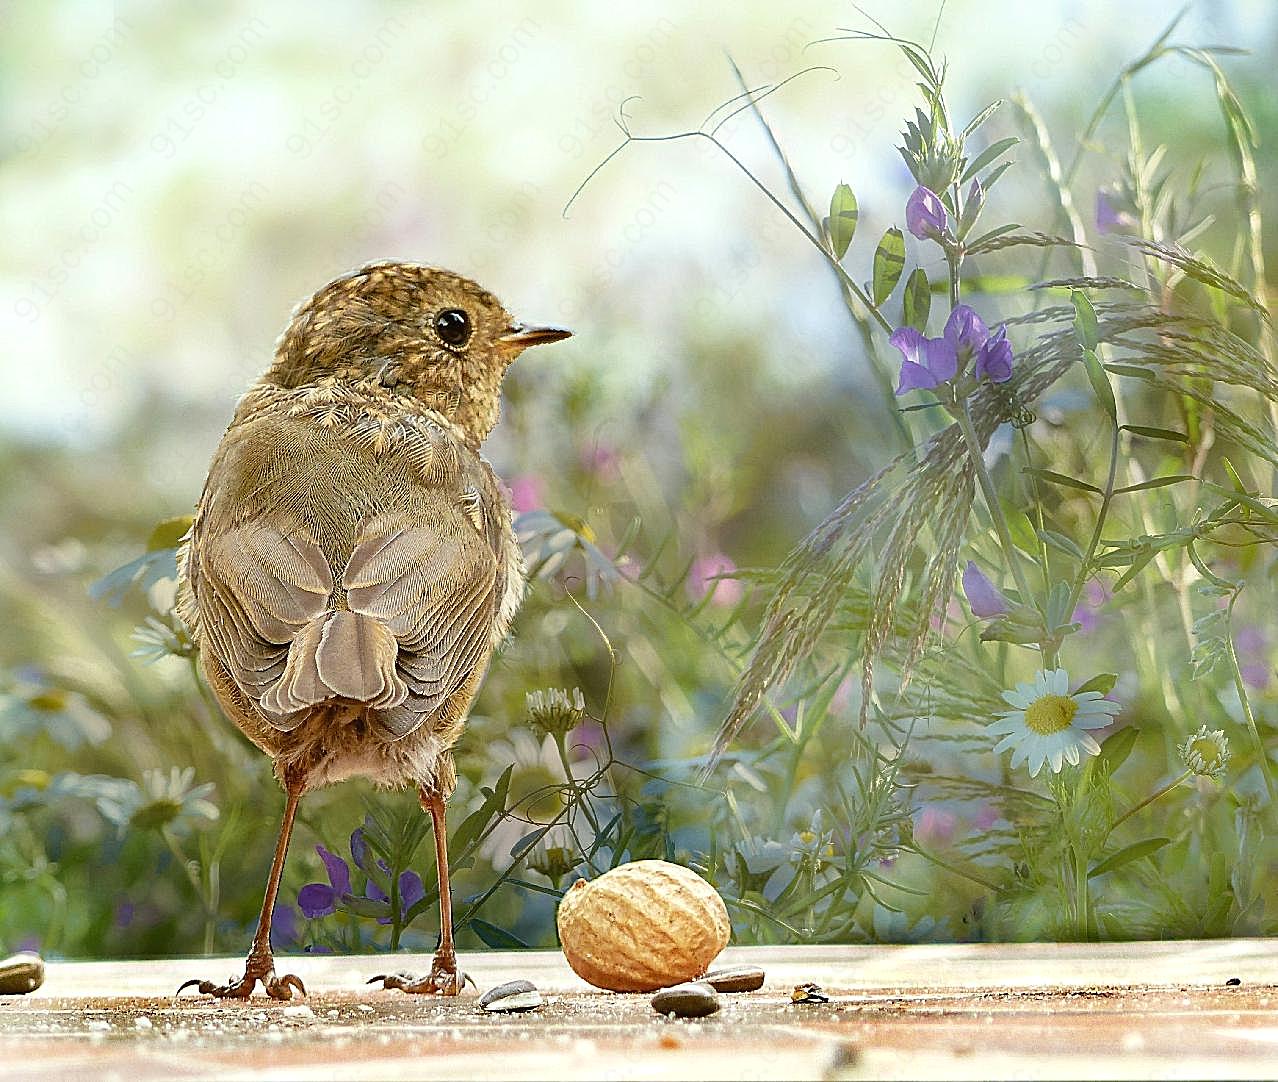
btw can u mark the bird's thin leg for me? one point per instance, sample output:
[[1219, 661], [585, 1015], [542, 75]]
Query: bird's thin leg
[[444, 979], [260, 963]]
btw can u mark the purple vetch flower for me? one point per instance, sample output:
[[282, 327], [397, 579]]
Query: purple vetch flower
[[1252, 646], [1090, 603], [982, 595], [1109, 219], [1255, 675], [411, 891], [925, 215], [965, 333], [1250, 641], [702, 580], [994, 359], [320, 899], [284, 929], [928, 362]]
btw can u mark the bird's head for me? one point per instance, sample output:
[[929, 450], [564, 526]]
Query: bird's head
[[420, 331]]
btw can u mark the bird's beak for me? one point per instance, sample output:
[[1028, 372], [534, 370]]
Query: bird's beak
[[523, 335]]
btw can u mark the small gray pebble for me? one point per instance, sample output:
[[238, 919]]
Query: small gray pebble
[[693, 1000], [21, 974], [735, 979], [510, 997]]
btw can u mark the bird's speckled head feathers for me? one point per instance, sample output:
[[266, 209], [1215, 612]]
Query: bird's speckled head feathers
[[420, 331]]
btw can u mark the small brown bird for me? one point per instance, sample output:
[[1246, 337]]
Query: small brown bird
[[352, 566]]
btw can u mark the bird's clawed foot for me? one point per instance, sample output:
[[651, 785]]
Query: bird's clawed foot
[[242, 987], [444, 979]]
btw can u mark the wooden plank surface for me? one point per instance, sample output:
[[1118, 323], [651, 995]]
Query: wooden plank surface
[[964, 1011]]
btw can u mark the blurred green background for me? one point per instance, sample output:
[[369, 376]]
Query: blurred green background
[[174, 178]]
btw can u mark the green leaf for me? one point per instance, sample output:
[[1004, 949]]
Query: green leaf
[[917, 300], [991, 178], [1104, 683], [1138, 565], [1000, 630], [1131, 370], [1100, 384], [1157, 433], [1117, 746], [988, 283], [1232, 474], [365, 907], [986, 157], [981, 118], [1024, 536], [843, 218], [920, 63], [467, 835], [1265, 511], [1156, 482], [497, 938], [1062, 543], [527, 842], [1086, 326], [889, 262], [1057, 610], [1060, 479], [427, 901], [1128, 854]]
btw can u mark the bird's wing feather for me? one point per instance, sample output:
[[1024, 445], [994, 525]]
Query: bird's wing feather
[[411, 617], [433, 583], [258, 589]]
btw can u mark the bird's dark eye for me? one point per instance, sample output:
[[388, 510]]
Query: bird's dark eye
[[453, 326]]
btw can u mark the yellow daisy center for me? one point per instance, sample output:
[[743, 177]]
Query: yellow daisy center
[[1050, 714], [1206, 750]]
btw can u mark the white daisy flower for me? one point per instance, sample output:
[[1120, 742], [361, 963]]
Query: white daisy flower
[[1048, 724], [1206, 752]]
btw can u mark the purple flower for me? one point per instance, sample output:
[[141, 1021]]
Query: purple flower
[[1087, 614], [284, 930], [1109, 219], [411, 891], [1255, 675], [320, 899], [702, 580], [965, 333], [925, 215], [982, 595], [928, 362], [1250, 641], [994, 359]]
